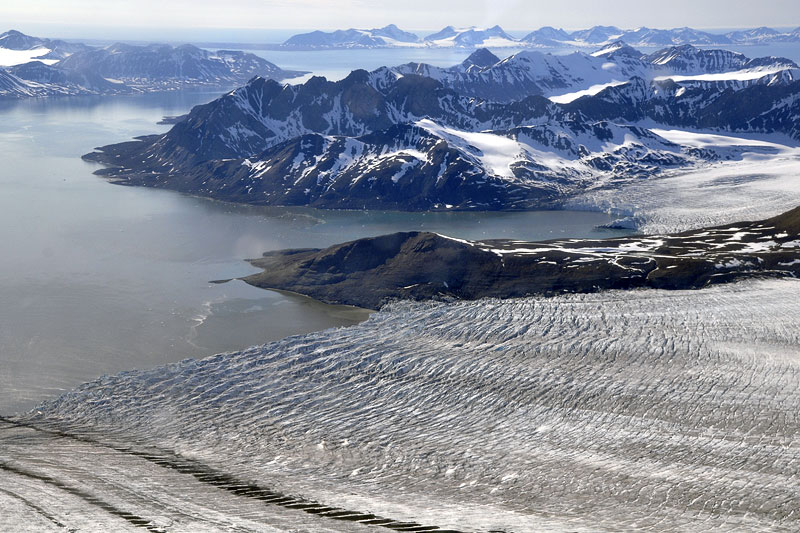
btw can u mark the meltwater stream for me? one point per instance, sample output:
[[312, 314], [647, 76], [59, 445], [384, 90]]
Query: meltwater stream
[[649, 410]]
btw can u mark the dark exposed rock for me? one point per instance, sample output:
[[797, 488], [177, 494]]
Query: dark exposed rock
[[758, 106]]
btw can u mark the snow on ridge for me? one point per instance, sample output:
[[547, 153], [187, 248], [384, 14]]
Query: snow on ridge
[[699, 139], [736, 75], [591, 91]]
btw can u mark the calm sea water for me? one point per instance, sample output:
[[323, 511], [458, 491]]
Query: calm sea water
[[97, 278]]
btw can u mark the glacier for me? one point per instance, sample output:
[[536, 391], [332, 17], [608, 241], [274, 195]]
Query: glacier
[[646, 409], [759, 176]]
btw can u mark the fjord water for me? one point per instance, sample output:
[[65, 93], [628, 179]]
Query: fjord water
[[98, 278]]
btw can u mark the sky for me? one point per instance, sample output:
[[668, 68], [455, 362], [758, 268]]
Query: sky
[[105, 17]]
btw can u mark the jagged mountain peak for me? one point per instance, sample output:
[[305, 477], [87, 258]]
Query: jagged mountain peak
[[481, 58]]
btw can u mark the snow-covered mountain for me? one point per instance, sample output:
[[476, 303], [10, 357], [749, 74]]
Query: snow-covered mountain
[[528, 73], [74, 69], [162, 62], [422, 165], [392, 37], [601, 35], [77, 81], [596, 34], [687, 59], [564, 78], [756, 35], [17, 48], [471, 37], [479, 135], [36, 79], [387, 36], [545, 37], [13, 87], [675, 36], [407, 141], [769, 104], [265, 113]]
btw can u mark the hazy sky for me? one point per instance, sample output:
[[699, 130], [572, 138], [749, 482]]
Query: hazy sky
[[411, 14]]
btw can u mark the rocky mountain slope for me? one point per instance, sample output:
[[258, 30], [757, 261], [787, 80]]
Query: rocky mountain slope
[[419, 166], [767, 105], [369, 272], [265, 113], [50, 50]]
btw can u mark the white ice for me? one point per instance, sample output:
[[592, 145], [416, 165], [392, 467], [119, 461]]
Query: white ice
[[9, 58], [647, 410]]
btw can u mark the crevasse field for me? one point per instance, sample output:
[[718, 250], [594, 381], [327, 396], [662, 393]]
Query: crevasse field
[[664, 411]]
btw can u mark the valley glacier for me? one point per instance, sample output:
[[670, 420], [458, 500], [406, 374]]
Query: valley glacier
[[646, 409], [756, 176]]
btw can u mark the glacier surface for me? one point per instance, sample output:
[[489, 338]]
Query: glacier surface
[[669, 411]]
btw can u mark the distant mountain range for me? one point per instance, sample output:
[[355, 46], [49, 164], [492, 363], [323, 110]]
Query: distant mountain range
[[564, 78], [516, 133], [30, 66], [547, 37]]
